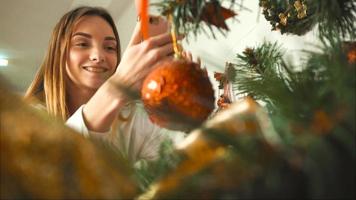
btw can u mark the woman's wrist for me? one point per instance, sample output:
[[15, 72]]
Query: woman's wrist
[[115, 92], [103, 107], [124, 88]]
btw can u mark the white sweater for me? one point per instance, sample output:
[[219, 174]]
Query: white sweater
[[135, 136]]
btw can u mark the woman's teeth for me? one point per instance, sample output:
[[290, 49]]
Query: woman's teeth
[[95, 69]]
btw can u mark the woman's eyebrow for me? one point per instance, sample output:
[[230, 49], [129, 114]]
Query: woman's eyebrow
[[109, 38], [82, 34], [89, 36]]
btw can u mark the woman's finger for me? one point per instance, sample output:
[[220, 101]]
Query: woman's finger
[[165, 50], [136, 37], [156, 54], [161, 39]]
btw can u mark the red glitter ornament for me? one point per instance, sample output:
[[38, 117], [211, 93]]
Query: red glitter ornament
[[178, 95]]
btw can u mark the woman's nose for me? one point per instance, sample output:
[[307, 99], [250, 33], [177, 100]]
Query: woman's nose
[[97, 55]]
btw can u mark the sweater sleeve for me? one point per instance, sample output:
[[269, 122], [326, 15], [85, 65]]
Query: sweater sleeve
[[150, 137], [152, 145], [138, 138], [76, 122]]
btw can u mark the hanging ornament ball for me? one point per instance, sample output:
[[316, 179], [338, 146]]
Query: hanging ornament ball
[[178, 95]]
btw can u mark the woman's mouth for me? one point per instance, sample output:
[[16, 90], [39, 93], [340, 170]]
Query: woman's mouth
[[95, 69]]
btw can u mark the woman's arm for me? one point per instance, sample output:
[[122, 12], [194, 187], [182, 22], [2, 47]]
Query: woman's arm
[[137, 62]]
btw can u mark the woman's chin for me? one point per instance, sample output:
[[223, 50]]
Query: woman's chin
[[94, 85]]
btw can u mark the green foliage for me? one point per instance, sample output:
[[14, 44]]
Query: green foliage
[[337, 16], [149, 171], [326, 82], [313, 166], [188, 15]]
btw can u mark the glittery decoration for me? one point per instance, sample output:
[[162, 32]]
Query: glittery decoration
[[178, 95], [283, 19], [301, 9]]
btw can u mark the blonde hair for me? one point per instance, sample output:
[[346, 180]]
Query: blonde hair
[[48, 85]]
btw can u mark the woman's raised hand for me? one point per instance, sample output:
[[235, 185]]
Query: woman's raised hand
[[139, 59]]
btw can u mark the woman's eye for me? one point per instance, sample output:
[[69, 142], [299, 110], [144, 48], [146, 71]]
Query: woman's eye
[[111, 48], [81, 44]]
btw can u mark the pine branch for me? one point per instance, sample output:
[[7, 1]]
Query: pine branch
[[321, 90], [189, 15], [258, 74], [149, 171], [337, 16]]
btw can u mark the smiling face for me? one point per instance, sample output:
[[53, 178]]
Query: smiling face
[[92, 56]]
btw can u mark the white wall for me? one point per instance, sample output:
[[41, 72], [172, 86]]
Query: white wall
[[249, 30], [26, 27]]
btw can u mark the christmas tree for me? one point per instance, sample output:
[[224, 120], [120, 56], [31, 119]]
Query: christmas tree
[[280, 129], [291, 133]]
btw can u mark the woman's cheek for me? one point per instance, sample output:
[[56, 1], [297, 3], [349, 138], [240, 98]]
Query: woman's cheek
[[74, 57], [113, 62]]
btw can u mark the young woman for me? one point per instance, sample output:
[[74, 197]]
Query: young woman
[[84, 81]]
